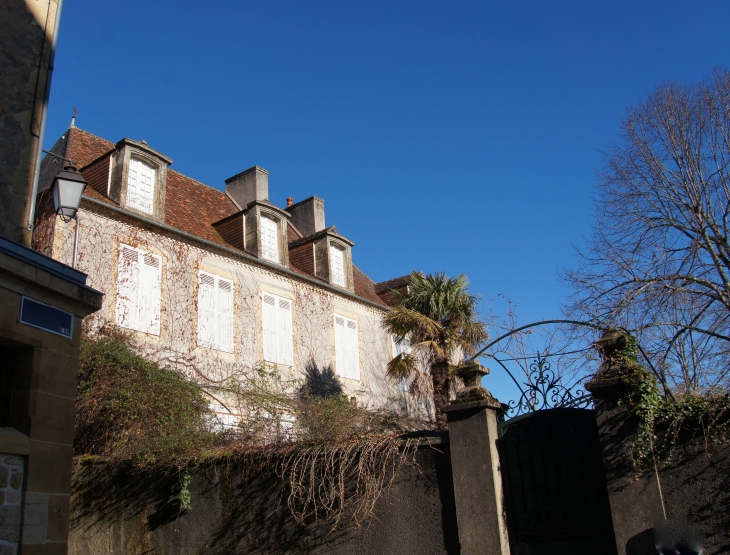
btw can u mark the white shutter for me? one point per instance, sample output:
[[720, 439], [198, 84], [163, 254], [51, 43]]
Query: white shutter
[[224, 327], [340, 345], [277, 329], [140, 185], [268, 313], [206, 310], [127, 286], [337, 266], [269, 239], [286, 355], [353, 353], [149, 294]]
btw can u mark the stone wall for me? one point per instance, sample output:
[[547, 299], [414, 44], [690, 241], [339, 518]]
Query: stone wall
[[11, 482], [25, 57], [238, 509]]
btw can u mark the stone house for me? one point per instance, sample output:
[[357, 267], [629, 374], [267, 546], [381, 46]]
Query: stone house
[[215, 282]]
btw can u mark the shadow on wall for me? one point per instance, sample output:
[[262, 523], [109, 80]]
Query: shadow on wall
[[696, 487], [240, 507], [320, 383]]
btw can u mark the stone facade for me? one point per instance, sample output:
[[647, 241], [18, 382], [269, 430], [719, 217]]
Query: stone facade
[[37, 398], [26, 54], [204, 230], [11, 507]]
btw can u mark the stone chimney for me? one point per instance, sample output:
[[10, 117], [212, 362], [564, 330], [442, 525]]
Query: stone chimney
[[248, 186], [308, 215]]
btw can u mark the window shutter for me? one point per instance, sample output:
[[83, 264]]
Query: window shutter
[[225, 315], [149, 294], [337, 266], [140, 185], [340, 346], [285, 333], [269, 239], [353, 354], [269, 327], [206, 310], [127, 286]]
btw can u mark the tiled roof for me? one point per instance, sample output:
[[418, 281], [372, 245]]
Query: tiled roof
[[390, 291], [190, 206]]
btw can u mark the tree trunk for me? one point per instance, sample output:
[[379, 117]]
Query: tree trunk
[[440, 379]]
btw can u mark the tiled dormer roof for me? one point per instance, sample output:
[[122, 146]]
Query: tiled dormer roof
[[190, 206]]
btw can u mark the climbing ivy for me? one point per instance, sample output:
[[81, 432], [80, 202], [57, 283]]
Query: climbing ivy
[[663, 422]]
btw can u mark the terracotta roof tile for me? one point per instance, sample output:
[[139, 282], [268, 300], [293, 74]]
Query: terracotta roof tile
[[365, 287]]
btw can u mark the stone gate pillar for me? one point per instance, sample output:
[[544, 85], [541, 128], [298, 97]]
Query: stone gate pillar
[[475, 467]]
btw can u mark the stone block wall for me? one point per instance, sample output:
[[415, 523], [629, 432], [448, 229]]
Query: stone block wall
[[11, 483]]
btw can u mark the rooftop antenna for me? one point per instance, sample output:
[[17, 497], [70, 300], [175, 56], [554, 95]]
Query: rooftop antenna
[[73, 118]]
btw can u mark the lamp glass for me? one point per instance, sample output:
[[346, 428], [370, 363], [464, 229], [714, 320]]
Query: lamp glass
[[68, 186]]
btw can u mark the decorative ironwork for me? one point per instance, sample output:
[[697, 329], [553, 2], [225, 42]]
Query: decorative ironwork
[[545, 390]]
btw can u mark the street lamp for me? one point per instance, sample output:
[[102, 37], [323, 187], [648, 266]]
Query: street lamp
[[67, 187]]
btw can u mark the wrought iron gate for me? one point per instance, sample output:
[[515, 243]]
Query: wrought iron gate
[[556, 500]]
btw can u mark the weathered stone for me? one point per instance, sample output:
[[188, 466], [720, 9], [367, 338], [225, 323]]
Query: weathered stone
[[12, 497], [2, 497], [10, 523], [35, 521], [4, 475], [16, 479], [6, 549], [13, 461]]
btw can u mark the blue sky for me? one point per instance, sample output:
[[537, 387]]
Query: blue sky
[[461, 136]]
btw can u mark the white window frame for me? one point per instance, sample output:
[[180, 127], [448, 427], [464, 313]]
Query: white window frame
[[347, 347], [215, 321], [337, 265], [404, 347], [141, 185], [269, 249], [277, 331], [139, 286]]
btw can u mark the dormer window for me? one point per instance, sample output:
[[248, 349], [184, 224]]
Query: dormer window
[[138, 179], [269, 239], [337, 265], [140, 186]]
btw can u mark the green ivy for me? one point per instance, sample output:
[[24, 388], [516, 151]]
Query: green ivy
[[661, 421], [185, 491]]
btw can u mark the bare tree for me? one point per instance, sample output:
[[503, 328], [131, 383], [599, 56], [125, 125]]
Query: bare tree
[[658, 261]]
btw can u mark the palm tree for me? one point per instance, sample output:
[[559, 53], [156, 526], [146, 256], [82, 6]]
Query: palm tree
[[438, 318]]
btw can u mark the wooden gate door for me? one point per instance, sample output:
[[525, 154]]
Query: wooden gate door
[[556, 500]]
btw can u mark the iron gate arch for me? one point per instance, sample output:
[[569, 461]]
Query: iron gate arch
[[556, 500]]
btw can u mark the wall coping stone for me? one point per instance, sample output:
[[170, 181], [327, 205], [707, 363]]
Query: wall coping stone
[[14, 442]]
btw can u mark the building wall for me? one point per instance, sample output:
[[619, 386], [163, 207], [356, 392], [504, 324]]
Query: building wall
[[38, 392], [313, 310], [25, 57]]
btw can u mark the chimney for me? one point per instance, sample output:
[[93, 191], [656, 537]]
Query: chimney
[[308, 215], [289, 201], [248, 186]]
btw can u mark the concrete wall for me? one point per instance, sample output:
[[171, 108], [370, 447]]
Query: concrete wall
[[237, 510], [25, 56], [696, 487]]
